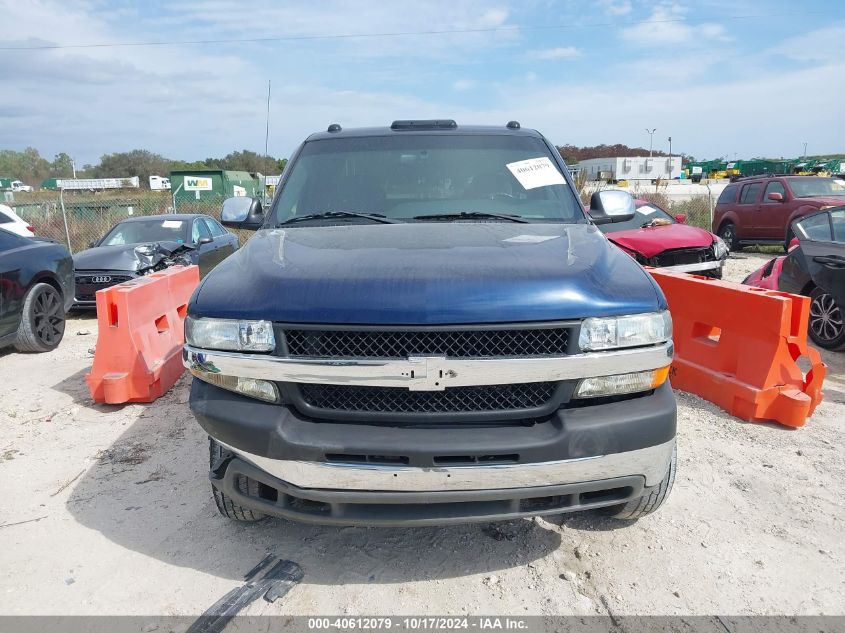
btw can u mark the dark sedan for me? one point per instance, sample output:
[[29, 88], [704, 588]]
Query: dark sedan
[[36, 290], [125, 251]]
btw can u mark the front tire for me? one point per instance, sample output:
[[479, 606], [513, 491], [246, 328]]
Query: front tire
[[42, 323], [826, 327], [648, 503], [728, 234], [225, 506]]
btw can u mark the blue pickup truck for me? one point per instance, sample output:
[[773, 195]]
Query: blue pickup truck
[[429, 328]]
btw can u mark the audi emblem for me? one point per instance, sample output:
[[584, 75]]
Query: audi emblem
[[101, 279]]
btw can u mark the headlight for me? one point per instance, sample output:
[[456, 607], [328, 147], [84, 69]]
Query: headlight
[[230, 334], [625, 331], [720, 249], [252, 387], [621, 383]]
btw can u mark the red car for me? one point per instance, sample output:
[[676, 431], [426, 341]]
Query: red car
[[760, 210], [655, 238]]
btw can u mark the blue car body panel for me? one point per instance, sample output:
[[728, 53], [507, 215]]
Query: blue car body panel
[[427, 274]]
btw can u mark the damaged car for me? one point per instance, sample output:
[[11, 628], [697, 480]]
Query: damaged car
[[813, 267], [142, 245], [656, 238]]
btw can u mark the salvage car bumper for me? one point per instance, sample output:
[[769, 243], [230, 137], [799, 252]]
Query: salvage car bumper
[[700, 267], [347, 473]]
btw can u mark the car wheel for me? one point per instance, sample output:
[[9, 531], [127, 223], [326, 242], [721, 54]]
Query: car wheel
[[645, 505], [728, 235], [225, 506], [42, 323], [826, 321], [789, 236]]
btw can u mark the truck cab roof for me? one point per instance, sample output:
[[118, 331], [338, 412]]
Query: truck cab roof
[[424, 127]]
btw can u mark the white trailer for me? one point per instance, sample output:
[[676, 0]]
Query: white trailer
[[631, 168], [159, 183], [83, 184]]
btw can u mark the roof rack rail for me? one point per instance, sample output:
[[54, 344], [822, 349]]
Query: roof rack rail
[[429, 124]]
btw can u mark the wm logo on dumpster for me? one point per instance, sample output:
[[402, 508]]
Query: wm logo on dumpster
[[193, 183]]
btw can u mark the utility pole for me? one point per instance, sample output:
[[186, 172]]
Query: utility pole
[[651, 139], [73, 168], [805, 150], [266, 140], [670, 158]]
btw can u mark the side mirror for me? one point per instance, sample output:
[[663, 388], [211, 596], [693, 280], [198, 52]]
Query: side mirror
[[775, 196], [205, 239], [612, 205], [793, 243], [681, 218], [242, 212], [92, 243]]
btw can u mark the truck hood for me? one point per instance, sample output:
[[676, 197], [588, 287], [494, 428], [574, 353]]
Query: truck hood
[[419, 274], [654, 240]]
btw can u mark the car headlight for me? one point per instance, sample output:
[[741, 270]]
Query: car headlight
[[720, 249], [252, 387], [621, 383], [230, 334], [625, 331]]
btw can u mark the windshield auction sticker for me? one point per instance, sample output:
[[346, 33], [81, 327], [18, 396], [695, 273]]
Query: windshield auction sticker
[[536, 172]]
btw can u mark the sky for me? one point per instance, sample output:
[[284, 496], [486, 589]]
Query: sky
[[723, 78]]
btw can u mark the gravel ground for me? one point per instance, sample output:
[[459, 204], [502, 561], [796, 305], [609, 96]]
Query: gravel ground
[[107, 510]]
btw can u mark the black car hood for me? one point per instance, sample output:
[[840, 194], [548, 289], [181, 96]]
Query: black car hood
[[123, 257]]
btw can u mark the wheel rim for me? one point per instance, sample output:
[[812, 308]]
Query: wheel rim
[[48, 320], [825, 318], [728, 236]]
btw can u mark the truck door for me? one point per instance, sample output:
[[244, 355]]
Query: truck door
[[747, 209], [773, 215]]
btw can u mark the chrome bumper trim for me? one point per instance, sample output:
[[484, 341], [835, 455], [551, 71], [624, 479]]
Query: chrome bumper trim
[[689, 268], [428, 373], [650, 462]]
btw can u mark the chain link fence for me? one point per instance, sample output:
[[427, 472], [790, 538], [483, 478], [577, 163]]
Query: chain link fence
[[76, 221]]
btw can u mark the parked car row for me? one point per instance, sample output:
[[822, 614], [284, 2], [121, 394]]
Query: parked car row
[[40, 281], [761, 210]]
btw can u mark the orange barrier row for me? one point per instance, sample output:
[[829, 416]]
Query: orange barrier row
[[140, 327], [737, 347]]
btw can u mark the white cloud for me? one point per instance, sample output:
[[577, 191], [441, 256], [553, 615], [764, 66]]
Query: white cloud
[[462, 85], [616, 7], [667, 26], [563, 52]]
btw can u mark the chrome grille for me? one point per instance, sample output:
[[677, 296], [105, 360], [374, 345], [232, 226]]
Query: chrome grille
[[482, 343], [454, 400]]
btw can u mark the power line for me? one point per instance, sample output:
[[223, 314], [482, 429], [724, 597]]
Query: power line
[[342, 36]]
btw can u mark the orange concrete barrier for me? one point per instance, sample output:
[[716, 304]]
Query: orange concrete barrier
[[737, 347], [141, 331]]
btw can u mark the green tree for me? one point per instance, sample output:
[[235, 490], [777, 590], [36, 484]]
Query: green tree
[[27, 165], [138, 162], [62, 166]]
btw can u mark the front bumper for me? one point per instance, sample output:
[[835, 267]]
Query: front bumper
[[350, 473], [700, 267], [276, 497]]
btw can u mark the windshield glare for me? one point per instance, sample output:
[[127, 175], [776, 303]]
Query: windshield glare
[[140, 232], [413, 176], [644, 214], [817, 187]]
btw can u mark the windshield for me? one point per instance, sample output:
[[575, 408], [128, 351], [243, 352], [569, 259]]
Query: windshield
[[142, 231], [817, 187], [645, 214], [408, 178]]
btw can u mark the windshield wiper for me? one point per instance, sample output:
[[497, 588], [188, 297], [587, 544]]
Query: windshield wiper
[[473, 215], [375, 217]]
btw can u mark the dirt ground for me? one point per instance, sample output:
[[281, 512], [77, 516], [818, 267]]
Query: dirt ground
[[107, 510]]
